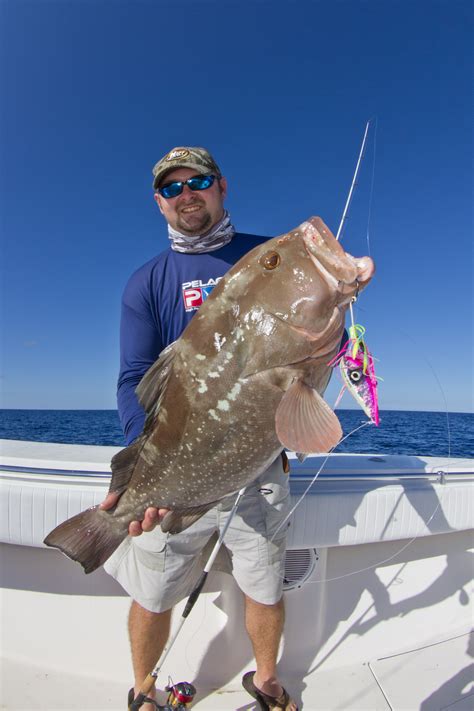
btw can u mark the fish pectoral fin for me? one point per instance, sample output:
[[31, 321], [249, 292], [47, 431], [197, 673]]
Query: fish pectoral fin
[[304, 422], [180, 519], [123, 464]]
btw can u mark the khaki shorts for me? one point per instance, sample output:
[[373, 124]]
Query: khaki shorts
[[159, 569]]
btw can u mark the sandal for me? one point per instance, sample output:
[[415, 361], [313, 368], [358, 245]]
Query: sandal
[[266, 702], [146, 700]]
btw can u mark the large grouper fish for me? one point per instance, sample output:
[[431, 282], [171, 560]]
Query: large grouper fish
[[242, 382]]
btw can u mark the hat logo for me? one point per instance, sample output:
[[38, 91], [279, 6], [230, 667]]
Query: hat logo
[[177, 153]]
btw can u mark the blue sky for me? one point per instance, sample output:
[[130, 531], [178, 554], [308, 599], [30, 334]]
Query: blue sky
[[94, 92]]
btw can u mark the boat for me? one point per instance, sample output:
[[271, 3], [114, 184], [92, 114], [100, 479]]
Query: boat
[[377, 588]]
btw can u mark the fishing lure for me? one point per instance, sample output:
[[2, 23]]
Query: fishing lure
[[356, 365]]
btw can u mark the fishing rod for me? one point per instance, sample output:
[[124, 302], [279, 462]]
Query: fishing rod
[[183, 693], [349, 197]]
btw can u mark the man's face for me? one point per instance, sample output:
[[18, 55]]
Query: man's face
[[192, 212]]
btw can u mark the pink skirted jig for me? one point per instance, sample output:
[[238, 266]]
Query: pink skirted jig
[[357, 369]]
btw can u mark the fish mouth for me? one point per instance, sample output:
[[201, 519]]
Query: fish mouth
[[346, 289], [345, 273]]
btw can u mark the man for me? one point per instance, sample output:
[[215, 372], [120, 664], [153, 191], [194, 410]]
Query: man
[[159, 300]]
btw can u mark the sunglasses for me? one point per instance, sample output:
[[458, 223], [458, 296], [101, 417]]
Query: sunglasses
[[198, 182]]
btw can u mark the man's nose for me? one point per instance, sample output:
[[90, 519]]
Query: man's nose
[[187, 192]]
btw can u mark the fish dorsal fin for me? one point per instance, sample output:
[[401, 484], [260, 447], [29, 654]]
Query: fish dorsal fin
[[123, 464], [304, 421], [151, 387]]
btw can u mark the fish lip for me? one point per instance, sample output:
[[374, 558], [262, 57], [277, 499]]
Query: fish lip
[[340, 269], [342, 287]]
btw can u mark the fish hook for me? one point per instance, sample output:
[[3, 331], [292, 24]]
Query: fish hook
[[356, 295], [353, 300]]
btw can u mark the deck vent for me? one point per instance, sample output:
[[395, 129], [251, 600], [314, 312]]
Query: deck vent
[[299, 564]]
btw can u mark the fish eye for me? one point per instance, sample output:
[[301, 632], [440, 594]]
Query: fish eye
[[270, 260], [355, 376]]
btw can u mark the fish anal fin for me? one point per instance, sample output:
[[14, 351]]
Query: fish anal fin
[[179, 519], [304, 422]]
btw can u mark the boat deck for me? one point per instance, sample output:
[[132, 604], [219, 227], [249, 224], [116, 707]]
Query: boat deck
[[381, 685], [379, 619]]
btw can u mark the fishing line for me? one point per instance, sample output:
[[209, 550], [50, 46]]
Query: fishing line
[[372, 186], [425, 523], [353, 184], [331, 451], [381, 562], [423, 357]]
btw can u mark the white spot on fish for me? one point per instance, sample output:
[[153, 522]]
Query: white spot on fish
[[223, 405], [234, 392], [219, 341], [200, 356], [213, 374], [255, 315], [202, 386], [266, 325], [229, 356], [212, 413], [300, 276]]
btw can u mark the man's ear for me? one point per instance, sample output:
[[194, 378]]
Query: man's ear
[[157, 197], [223, 186]]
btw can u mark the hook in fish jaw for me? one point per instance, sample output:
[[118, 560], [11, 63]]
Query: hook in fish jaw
[[352, 301], [356, 295]]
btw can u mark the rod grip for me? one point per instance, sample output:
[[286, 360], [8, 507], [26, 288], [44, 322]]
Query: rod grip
[[145, 689], [138, 702], [195, 594]]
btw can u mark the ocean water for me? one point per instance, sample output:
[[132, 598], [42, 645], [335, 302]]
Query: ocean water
[[438, 434]]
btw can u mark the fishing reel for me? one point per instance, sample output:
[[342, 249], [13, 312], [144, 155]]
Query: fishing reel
[[180, 697]]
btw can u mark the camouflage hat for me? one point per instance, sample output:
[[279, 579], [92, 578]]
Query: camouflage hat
[[193, 157]]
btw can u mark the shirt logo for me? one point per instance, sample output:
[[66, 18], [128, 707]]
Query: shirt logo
[[197, 291]]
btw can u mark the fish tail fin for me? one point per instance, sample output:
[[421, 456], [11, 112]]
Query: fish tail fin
[[88, 538]]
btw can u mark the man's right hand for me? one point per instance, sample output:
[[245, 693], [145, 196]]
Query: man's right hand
[[152, 517]]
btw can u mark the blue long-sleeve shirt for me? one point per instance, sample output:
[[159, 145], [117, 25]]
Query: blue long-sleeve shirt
[[159, 300]]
